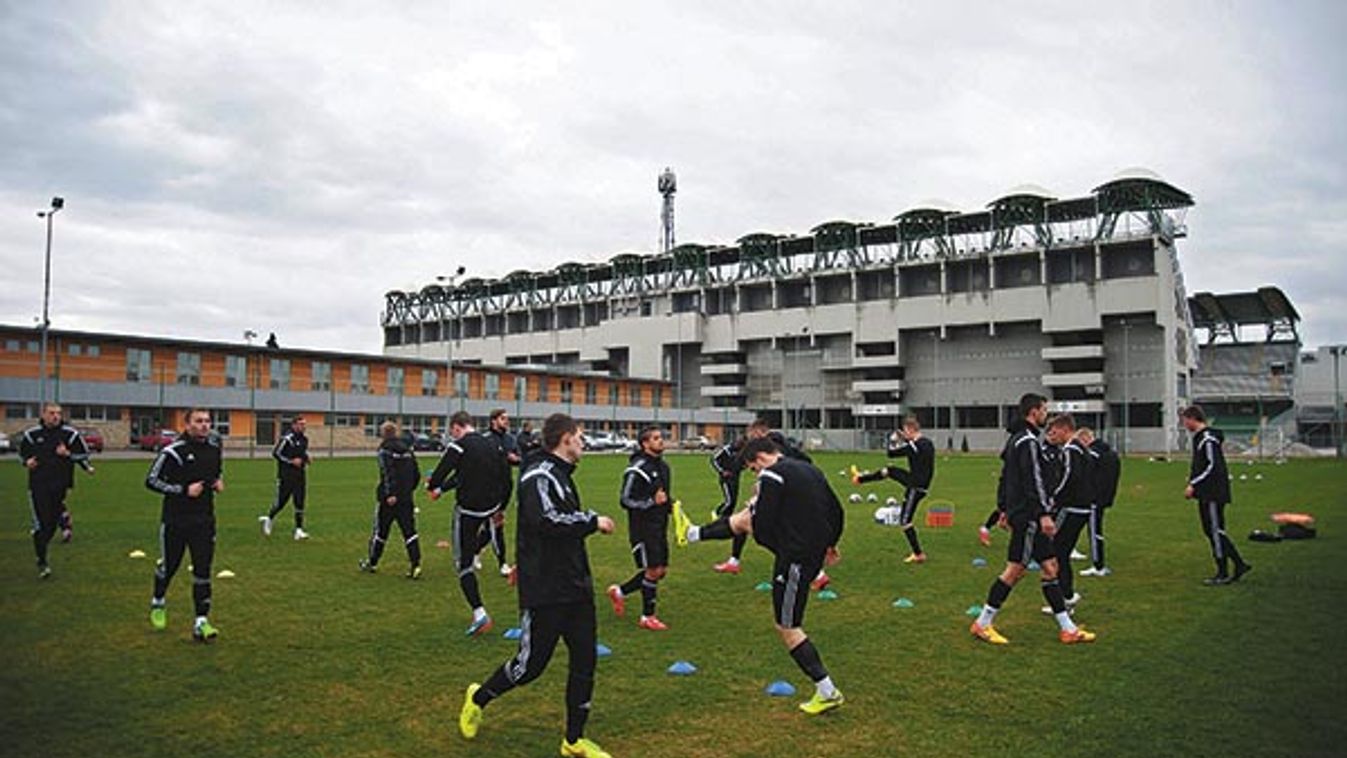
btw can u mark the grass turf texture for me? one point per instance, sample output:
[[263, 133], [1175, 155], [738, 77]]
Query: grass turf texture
[[316, 658]]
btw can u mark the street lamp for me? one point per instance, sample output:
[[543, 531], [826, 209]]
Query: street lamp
[[1336, 352], [57, 203], [448, 282]]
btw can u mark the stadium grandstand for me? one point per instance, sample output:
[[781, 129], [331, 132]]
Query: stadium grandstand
[[833, 335]]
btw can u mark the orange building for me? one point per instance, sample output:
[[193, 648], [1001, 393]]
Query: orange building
[[128, 386]]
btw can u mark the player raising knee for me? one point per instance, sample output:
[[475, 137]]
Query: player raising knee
[[908, 443]]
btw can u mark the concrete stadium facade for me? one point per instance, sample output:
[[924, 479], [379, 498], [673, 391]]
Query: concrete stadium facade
[[835, 335]]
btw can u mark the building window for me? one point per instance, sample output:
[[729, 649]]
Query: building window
[[542, 390], [521, 388], [492, 386], [137, 365], [221, 422], [19, 412], [90, 413], [614, 394], [189, 368], [93, 351], [322, 376], [396, 375], [32, 346], [342, 420], [634, 394], [591, 393], [359, 379], [236, 371], [430, 380], [461, 383], [657, 396], [280, 374], [73, 348], [567, 390], [12, 346]]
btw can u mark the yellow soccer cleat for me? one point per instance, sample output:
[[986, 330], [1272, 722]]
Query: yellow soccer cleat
[[819, 704], [582, 748], [855, 475], [1077, 637], [470, 718], [988, 633], [681, 524]]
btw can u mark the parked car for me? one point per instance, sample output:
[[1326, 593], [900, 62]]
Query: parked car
[[93, 439], [422, 442], [601, 441], [697, 442], [5, 445], [156, 441]]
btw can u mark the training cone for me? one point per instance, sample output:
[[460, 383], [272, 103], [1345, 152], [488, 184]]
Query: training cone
[[513, 633], [973, 610], [682, 668], [780, 688], [980, 562], [136, 554], [903, 602], [763, 586], [225, 574], [827, 595], [602, 650], [1033, 565]]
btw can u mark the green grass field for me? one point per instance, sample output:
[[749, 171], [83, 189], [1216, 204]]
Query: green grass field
[[317, 659]]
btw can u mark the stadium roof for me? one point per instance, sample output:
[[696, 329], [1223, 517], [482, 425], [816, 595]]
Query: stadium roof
[[1224, 314]]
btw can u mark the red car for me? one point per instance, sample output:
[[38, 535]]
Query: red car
[[93, 439], [156, 441]]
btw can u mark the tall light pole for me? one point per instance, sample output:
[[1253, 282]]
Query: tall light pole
[[448, 282], [1127, 328], [1336, 352], [57, 203]]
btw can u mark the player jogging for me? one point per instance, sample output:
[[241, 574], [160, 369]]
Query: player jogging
[[556, 588], [399, 476], [50, 451], [645, 497], [292, 464]]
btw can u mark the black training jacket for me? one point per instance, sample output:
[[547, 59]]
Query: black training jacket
[[177, 466], [645, 475], [1106, 471], [796, 515], [550, 536], [399, 474], [920, 455], [53, 471], [1072, 480], [1209, 476], [1024, 491], [291, 445], [475, 467]]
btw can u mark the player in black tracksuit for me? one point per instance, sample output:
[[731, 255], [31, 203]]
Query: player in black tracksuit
[[188, 473], [1209, 485], [292, 463], [1030, 515], [499, 432], [1105, 470], [796, 516], [728, 463], [394, 500], [477, 470], [1072, 493], [646, 497], [916, 479], [50, 451], [556, 587]]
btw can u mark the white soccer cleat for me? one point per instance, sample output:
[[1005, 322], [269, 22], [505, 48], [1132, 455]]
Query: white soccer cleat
[[477, 563], [300, 534], [1077, 555], [266, 525], [505, 569]]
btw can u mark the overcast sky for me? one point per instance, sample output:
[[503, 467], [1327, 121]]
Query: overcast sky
[[279, 166]]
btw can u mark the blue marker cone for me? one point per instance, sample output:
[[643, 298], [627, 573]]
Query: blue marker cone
[[1033, 565], [780, 688], [763, 587], [682, 668], [513, 633], [827, 595], [979, 562], [973, 610], [602, 650], [903, 602]]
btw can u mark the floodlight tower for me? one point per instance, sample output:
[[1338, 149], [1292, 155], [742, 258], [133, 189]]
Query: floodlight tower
[[668, 185]]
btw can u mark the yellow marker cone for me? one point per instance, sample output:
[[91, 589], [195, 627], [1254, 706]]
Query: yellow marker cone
[[225, 574], [136, 554]]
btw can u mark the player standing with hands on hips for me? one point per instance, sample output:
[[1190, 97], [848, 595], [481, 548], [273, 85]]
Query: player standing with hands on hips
[[556, 587]]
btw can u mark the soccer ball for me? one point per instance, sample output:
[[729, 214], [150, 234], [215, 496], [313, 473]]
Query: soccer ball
[[891, 502], [886, 515], [872, 497], [855, 497]]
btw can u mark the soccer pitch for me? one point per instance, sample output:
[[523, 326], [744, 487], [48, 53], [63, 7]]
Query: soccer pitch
[[316, 658]]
